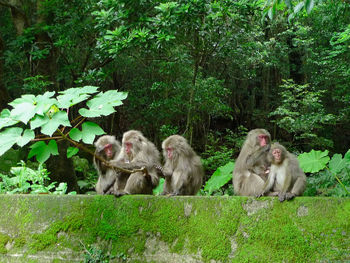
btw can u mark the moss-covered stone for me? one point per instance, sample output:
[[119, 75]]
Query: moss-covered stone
[[157, 229]]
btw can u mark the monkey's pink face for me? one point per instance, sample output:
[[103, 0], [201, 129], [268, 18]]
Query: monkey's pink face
[[263, 139], [128, 147], [169, 151], [277, 154], [108, 149]]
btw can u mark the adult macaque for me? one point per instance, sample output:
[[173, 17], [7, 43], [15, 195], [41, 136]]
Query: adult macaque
[[251, 167], [286, 178], [137, 152], [108, 148], [183, 170]]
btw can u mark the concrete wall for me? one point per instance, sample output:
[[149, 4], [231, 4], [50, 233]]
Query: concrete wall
[[47, 228]]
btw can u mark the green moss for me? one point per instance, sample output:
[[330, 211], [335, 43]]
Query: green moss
[[4, 239], [212, 228]]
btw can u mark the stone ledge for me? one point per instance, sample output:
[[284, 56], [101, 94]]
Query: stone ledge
[[48, 228]]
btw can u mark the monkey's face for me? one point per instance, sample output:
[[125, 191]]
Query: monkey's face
[[169, 152], [108, 151], [263, 140], [277, 155], [128, 148]]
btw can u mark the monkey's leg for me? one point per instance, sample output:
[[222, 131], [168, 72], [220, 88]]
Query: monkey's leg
[[138, 184], [251, 185]]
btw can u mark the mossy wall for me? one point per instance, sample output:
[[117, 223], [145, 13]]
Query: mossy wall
[[47, 228]]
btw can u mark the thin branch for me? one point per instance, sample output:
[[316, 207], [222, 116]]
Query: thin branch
[[47, 138], [85, 149]]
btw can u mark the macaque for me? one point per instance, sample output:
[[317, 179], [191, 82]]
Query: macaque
[[137, 152], [183, 170], [108, 148], [251, 167], [286, 179]]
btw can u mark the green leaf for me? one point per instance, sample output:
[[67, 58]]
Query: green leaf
[[89, 131], [75, 134], [298, 7], [74, 96], [28, 135], [220, 177], [24, 108], [58, 119], [44, 102], [8, 138], [159, 189], [309, 5], [5, 119], [337, 163], [313, 161], [347, 157], [39, 121], [103, 104], [71, 151], [42, 151]]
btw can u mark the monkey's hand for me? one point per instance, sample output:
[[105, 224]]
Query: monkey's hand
[[260, 194]]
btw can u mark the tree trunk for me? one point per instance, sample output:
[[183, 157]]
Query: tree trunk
[[61, 168], [4, 96]]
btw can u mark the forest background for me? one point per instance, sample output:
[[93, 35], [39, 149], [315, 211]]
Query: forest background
[[208, 70]]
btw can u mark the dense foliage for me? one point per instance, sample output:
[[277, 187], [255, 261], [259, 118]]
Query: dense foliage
[[210, 70]]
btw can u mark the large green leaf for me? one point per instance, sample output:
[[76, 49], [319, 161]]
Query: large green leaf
[[337, 163], [74, 96], [103, 104], [5, 119], [24, 108], [58, 119], [75, 134], [220, 177], [89, 131], [313, 161], [39, 121], [42, 151], [44, 102], [347, 157], [8, 138], [13, 135], [309, 5], [27, 136]]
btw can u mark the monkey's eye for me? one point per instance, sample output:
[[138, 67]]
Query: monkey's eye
[[128, 144]]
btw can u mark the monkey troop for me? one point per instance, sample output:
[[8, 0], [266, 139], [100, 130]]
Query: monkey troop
[[260, 169]]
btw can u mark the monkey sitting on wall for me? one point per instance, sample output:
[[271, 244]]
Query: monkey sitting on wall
[[108, 148], [286, 179], [138, 152], [183, 170], [251, 167]]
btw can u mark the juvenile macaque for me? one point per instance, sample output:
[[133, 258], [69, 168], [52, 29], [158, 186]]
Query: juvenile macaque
[[137, 152], [286, 179], [183, 170], [108, 148], [251, 167]]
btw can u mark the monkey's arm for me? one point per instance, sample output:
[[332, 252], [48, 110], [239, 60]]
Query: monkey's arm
[[256, 156], [283, 195], [268, 184]]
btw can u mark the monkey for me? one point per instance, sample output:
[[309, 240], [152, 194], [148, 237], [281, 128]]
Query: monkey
[[286, 178], [183, 170], [248, 175], [108, 148], [138, 152]]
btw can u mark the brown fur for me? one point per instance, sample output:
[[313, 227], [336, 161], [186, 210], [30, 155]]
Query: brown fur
[[246, 180], [184, 172], [286, 178], [143, 154], [106, 176]]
